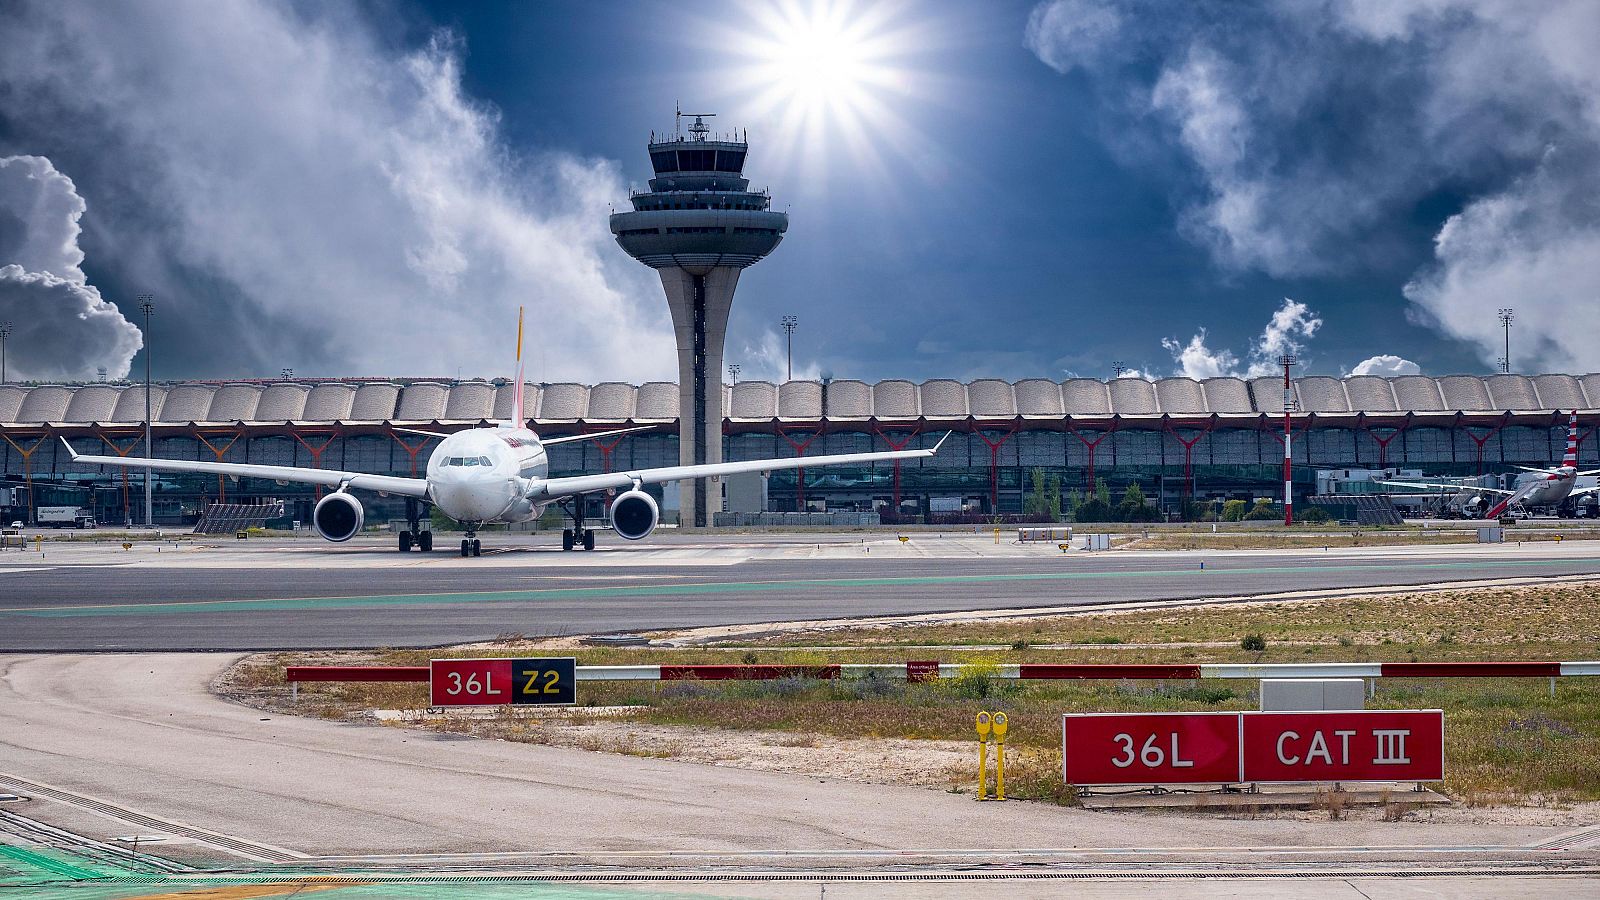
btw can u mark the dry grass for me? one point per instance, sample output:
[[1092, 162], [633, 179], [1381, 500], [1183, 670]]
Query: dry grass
[[1507, 740]]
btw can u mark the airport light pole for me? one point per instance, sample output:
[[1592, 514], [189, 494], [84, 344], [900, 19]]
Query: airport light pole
[[5, 332], [1506, 315], [147, 305], [1288, 441], [1117, 368], [288, 374], [789, 323], [733, 372]]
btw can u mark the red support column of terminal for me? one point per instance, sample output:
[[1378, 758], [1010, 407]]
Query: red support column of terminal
[[800, 474], [127, 510], [1188, 448], [994, 459], [316, 452], [27, 464], [411, 451], [897, 445], [1091, 447], [1480, 441], [222, 493], [1384, 441]]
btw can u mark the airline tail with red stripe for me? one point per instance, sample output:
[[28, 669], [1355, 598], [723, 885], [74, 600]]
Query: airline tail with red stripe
[[1570, 460]]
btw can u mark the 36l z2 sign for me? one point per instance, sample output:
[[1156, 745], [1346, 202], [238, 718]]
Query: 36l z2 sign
[[495, 682]]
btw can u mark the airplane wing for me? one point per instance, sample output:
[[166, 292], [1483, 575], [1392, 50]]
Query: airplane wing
[[1443, 488], [388, 484], [551, 488]]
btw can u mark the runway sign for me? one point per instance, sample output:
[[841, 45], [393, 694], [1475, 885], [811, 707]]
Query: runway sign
[[1150, 748], [1366, 745], [496, 682], [1211, 748]]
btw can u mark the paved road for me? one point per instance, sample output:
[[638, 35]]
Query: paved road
[[300, 598], [141, 733]]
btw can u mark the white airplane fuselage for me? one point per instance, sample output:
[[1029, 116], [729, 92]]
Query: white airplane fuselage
[[482, 475], [1546, 489]]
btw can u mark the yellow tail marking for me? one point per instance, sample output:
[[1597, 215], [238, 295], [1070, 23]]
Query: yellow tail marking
[[519, 334]]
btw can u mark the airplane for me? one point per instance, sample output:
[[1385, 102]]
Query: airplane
[[1548, 487], [499, 475]]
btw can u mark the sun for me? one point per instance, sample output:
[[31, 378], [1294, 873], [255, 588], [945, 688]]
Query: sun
[[827, 78]]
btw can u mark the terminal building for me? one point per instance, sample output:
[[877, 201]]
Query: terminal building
[[1178, 438]]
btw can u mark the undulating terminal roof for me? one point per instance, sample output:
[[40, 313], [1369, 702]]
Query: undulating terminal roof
[[407, 401]]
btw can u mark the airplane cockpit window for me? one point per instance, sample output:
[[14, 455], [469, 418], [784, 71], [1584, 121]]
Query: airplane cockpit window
[[484, 461], [468, 461]]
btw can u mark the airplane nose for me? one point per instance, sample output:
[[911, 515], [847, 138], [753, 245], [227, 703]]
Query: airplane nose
[[469, 500]]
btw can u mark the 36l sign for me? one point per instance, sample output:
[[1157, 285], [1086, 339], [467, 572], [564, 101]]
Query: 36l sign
[[495, 682]]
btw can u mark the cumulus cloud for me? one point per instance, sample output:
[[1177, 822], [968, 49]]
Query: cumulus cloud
[[1285, 333], [1315, 130], [297, 192], [62, 329], [1386, 364]]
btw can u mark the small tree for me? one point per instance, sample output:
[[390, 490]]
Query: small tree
[[1133, 507], [1263, 510], [1102, 491], [1312, 515], [1233, 510], [1069, 506]]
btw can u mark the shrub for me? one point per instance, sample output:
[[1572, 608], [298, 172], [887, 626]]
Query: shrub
[[1233, 510], [1255, 643], [1314, 515], [1264, 509]]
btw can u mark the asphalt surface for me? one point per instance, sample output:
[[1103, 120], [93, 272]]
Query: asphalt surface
[[301, 596]]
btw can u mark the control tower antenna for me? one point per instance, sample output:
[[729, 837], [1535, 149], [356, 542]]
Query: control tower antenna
[[699, 226], [699, 128]]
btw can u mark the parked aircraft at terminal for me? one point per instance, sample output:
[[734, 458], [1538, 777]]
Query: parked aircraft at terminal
[[495, 475], [1535, 488]]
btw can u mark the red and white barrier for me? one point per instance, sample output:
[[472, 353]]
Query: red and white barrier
[[922, 670]]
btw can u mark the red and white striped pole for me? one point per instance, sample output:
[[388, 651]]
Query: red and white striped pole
[[1288, 443]]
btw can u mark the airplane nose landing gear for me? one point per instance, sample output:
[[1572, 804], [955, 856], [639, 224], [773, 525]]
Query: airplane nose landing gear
[[470, 545]]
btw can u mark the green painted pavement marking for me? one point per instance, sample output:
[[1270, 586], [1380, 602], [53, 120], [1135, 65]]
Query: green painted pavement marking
[[41, 861], [707, 588]]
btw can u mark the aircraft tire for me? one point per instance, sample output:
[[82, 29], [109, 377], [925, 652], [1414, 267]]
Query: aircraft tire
[[477, 547], [405, 541], [566, 539], [425, 542], [466, 547], [588, 539]]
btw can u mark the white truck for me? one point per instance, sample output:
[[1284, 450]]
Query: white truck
[[65, 517]]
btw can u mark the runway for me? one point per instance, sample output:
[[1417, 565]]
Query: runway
[[302, 595]]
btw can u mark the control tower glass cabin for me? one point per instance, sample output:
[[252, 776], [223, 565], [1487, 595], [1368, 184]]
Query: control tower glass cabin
[[698, 226]]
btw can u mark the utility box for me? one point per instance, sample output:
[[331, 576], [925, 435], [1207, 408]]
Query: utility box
[[1491, 534], [1095, 542], [1312, 694]]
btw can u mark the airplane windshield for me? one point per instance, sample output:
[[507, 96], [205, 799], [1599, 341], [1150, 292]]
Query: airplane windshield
[[468, 461]]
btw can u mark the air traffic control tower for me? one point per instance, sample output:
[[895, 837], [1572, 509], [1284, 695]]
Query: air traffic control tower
[[699, 226]]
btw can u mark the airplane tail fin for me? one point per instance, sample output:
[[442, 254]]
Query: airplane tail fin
[[1571, 457], [518, 420]]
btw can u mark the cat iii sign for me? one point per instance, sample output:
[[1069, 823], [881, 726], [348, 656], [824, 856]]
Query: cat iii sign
[[1213, 748], [495, 682]]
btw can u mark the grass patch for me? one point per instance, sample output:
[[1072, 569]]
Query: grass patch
[[1507, 740]]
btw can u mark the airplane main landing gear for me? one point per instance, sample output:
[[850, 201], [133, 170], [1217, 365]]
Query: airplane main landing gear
[[572, 538], [414, 535]]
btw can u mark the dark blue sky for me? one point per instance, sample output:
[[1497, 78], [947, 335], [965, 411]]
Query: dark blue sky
[[1033, 253], [1035, 188]]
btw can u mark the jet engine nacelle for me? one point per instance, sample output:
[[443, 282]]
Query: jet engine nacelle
[[634, 515], [338, 517]]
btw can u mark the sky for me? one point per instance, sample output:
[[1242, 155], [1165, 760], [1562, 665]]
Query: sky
[[975, 189]]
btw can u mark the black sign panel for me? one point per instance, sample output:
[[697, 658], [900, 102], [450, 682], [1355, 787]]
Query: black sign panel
[[549, 682]]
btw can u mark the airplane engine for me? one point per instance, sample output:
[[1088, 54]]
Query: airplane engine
[[338, 517], [634, 515]]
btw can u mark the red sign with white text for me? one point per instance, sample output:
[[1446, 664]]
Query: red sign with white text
[[469, 682], [1364, 745], [1154, 748]]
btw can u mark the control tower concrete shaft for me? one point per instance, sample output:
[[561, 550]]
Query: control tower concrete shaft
[[698, 227]]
